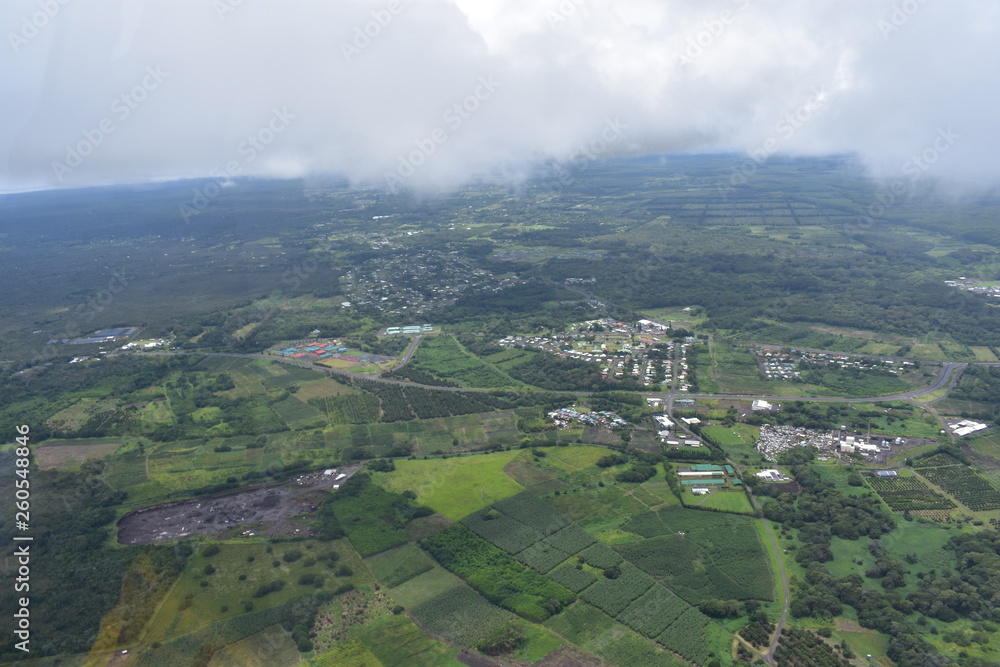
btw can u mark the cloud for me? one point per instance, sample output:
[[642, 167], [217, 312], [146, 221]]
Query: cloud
[[394, 87]]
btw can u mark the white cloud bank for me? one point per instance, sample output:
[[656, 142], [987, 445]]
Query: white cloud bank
[[437, 92]]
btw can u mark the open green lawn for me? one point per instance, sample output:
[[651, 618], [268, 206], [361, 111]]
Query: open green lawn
[[454, 486], [863, 642], [726, 501], [572, 459]]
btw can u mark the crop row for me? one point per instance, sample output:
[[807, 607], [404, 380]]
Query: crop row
[[909, 493], [686, 636], [653, 612], [496, 574], [533, 511], [572, 578], [542, 556], [969, 488], [509, 534], [612, 596], [600, 556], [572, 539], [461, 615]]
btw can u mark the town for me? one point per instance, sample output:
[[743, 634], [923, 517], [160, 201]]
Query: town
[[789, 364], [643, 350]]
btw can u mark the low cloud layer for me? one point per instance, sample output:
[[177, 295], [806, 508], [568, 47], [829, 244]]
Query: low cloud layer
[[427, 94]]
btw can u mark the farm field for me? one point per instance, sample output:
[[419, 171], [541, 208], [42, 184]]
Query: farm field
[[722, 500], [960, 481], [908, 493], [738, 434], [444, 357], [456, 486], [63, 453]]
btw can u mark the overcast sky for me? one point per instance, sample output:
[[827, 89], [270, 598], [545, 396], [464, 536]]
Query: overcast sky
[[431, 93]]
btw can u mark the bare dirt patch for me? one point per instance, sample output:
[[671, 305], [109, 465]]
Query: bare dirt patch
[[267, 510], [60, 456], [570, 656]]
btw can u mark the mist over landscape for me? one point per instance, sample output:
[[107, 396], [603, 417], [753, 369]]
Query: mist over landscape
[[558, 333], [440, 93]]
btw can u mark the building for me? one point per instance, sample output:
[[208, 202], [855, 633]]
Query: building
[[700, 470], [761, 405], [664, 421]]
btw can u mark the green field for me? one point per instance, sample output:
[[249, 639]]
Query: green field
[[190, 605], [425, 586], [454, 486], [722, 500], [444, 357]]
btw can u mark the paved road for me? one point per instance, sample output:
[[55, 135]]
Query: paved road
[[784, 585], [947, 377], [769, 656]]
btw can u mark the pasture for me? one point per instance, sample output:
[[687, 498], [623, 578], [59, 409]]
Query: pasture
[[192, 604], [454, 487]]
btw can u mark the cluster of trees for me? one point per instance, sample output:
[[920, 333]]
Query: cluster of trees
[[758, 630], [819, 416], [77, 572], [496, 574], [820, 512], [980, 384], [735, 288], [801, 648], [971, 592]]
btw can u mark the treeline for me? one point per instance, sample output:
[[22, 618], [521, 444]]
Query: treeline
[[76, 572], [979, 384], [818, 416], [883, 288], [414, 374], [39, 392], [402, 403]]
